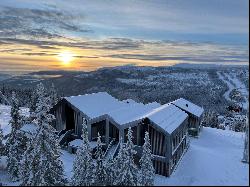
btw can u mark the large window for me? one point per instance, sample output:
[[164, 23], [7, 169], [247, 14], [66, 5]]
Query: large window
[[98, 127]]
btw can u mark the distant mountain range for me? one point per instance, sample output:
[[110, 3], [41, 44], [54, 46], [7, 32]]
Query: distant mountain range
[[191, 65], [4, 76]]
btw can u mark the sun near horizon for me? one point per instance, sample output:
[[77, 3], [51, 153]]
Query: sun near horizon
[[66, 58]]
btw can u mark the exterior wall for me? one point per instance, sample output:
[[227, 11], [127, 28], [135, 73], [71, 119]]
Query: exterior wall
[[167, 149], [161, 167], [61, 122], [179, 142], [113, 132], [194, 122], [59, 112], [194, 125], [98, 127]]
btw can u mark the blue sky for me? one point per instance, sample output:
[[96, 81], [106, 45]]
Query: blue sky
[[194, 20], [218, 23]]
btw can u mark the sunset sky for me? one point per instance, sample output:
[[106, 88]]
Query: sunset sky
[[85, 35]]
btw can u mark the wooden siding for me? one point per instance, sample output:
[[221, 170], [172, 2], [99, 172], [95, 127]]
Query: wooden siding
[[161, 168], [166, 148], [157, 140]]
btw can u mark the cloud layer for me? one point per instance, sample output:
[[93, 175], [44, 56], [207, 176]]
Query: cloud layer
[[109, 33]]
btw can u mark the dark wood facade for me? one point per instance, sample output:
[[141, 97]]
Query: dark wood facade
[[167, 149], [194, 123]]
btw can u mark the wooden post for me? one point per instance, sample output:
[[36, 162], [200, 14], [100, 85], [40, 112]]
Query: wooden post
[[107, 132], [165, 146], [89, 130], [121, 135], [138, 137], [161, 145]]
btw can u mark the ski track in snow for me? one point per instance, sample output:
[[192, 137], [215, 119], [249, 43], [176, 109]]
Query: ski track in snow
[[237, 85]]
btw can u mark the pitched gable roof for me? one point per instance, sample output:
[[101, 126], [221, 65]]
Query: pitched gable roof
[[168, 117], [188, 106]]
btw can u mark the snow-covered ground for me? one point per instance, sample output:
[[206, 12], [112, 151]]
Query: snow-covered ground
[[212, 159], [5, 117]]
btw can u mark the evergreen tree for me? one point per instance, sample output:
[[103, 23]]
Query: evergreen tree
[[100, 172], [43, 106], [41, 163], [147, 172], [25, 173], [126, 169], [246, 142], [1, 142], [83, 166], [32, 104], [110, 171], [53, 95], [118, 163], [14, 154]]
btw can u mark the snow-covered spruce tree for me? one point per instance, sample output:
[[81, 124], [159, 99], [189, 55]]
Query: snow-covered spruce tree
[[42, 165], [110, 171], [118, 163], [53, 95], [32, 103], [246, 142], [83, 165], [2, 151], [147, 172], [13, 148], [127, 171], [100, 170], [25, 174]]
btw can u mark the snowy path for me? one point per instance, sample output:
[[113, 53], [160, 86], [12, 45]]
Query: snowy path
[[240, 87], [237, 84], [230, 86], [67, 159], [212, 159]]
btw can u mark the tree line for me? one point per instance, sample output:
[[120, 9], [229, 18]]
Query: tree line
[[35, 160]]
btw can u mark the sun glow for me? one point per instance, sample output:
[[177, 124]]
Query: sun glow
[[66, 57]]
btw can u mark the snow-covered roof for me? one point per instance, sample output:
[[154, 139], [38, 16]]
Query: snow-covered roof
[[168, 117], [96, 104], [188, 106], [101, 103], [131, 112], [30, 128], [129, 101], [153, 104]]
